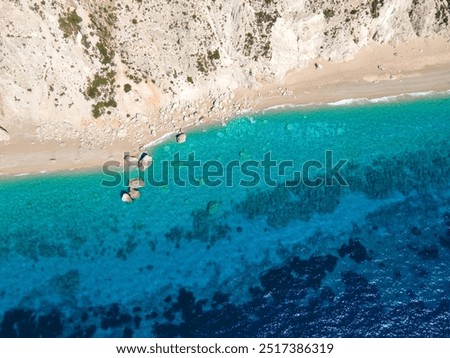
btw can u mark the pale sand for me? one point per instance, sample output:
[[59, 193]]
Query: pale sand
[[377, 71]]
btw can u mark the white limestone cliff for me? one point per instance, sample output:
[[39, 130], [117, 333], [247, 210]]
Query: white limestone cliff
[[111, 69]]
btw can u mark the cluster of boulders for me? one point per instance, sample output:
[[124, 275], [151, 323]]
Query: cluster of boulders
[[143, 163]]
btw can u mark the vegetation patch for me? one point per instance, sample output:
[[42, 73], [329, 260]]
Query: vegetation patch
[[103, 25], [375, 7], [328, 13], [248, 43], [205, 63], [442, 13], [69, 23], [94, 87], [202, 64], [106, 54], [215, 55], [266, 20], [127, 87], [134, 77], [101, 89], [99, 108], [256, 41]]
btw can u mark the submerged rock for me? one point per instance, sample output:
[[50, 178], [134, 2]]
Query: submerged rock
[[145, 162], [126, 198], [130, 161], [134, 194], [130, 195], [181, 137], [355, 250], [136, 183], [212, 207]]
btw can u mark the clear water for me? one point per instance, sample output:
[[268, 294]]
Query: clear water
[[368, 259]]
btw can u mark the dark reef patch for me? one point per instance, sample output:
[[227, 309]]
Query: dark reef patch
[[113, 317], [20, 323], [83, 332], [391, 291], [315, 296], [294, 299], [355, 250], [429, 253]]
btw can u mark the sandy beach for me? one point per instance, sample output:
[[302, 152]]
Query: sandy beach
[[377, 71]]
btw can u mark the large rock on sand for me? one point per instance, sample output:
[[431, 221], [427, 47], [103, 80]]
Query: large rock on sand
[[181, 137], [136, 183], [145, 162]]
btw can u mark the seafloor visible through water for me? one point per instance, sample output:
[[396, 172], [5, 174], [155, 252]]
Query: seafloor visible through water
[[370, 259]]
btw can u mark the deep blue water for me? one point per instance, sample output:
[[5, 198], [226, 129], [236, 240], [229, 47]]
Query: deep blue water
[[368, 259]]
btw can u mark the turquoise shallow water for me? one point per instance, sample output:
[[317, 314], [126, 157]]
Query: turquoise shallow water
[[76, 261]]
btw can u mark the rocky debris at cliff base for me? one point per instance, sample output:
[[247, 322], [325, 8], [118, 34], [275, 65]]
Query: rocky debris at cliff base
[[143, 163]]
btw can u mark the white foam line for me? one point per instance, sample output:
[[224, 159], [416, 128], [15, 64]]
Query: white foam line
[[350, 101], [353, 101], [245, 111], [289, 106], [422, 94], [159, 140], [21, 174], [343, 102]]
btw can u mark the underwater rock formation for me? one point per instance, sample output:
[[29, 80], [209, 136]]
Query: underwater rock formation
[[136, 183], [126, 197], [145, 161]]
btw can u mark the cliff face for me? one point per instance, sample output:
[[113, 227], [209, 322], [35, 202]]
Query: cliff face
[[109, 68]]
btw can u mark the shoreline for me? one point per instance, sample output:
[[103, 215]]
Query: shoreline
[[359, 101], [345, 102], [378, 73]]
